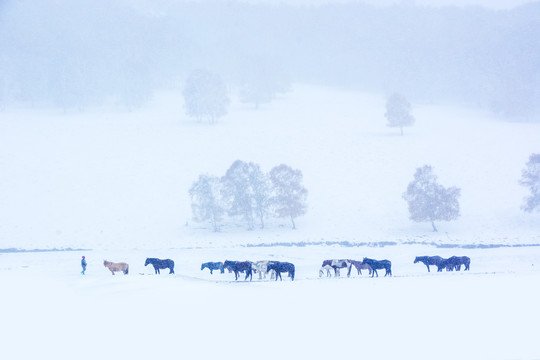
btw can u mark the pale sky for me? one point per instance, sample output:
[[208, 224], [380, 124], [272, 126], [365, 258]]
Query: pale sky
[[494, 4]]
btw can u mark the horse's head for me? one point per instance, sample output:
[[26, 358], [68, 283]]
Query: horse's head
[[147, 261], [105, 262], [321, 272], [202, 266], [416, 260]]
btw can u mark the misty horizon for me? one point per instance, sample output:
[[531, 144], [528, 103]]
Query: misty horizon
[[76, 56]]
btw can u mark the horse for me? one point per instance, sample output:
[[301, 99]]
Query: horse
[[455, 262], [359, 265], [116, 267], [336, 265], [239, 266], [262, 268], [160, 264], [430, 260], [280, 267], [379, 264], [213, 266]]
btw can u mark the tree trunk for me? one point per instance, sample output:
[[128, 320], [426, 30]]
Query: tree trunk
[[262, 221], [214, 223], [433, 225], [293, 225]]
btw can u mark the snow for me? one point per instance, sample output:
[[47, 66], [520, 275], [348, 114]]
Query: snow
[[116, 184], [487, 313]]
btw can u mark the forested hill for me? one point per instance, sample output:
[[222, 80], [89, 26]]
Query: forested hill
[[85, 53]]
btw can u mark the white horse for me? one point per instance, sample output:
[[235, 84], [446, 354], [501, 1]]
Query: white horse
[[335, 264], [262, 268]]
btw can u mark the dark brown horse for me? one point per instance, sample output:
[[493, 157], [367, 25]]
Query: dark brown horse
[[455, 262], [160, 264], [279, 267], [430, 260], [379, 264], [359, 265], [238, 267]]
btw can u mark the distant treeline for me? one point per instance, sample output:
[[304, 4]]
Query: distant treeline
[[85, 53]]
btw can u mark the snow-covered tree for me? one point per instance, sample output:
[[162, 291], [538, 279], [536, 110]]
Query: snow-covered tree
[[205, 96], [262, 79], [290, 196], [530, 177], [237, 192], [260, 188], [206, 201], [247, 191], [398, 112], [429, 201]]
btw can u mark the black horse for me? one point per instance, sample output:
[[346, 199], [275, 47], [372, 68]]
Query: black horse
[[213, 266], [430, 260], [455, 262], [239, 266], [161, 264], [280, 267], [379, 264]]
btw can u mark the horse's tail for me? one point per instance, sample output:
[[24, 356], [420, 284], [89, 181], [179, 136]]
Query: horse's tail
[[292, 272], [127, 269]]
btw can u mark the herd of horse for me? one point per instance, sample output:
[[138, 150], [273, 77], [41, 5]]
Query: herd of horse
[[450, 264], [276, 268]]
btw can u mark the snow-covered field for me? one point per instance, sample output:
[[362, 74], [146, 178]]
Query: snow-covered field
[[490, 312], [117, 183]]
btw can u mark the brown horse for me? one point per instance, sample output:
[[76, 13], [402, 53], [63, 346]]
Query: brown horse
[[359, 265], [116, 266]]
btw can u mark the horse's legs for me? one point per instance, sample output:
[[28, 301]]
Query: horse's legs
[[427, 267], [112, 272]]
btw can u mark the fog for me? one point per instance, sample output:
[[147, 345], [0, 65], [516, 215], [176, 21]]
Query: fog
[[79, 55]]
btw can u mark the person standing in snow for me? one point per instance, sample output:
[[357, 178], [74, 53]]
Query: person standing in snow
[[83, 264]]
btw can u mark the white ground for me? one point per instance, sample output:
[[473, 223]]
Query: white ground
[[116, 184]]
